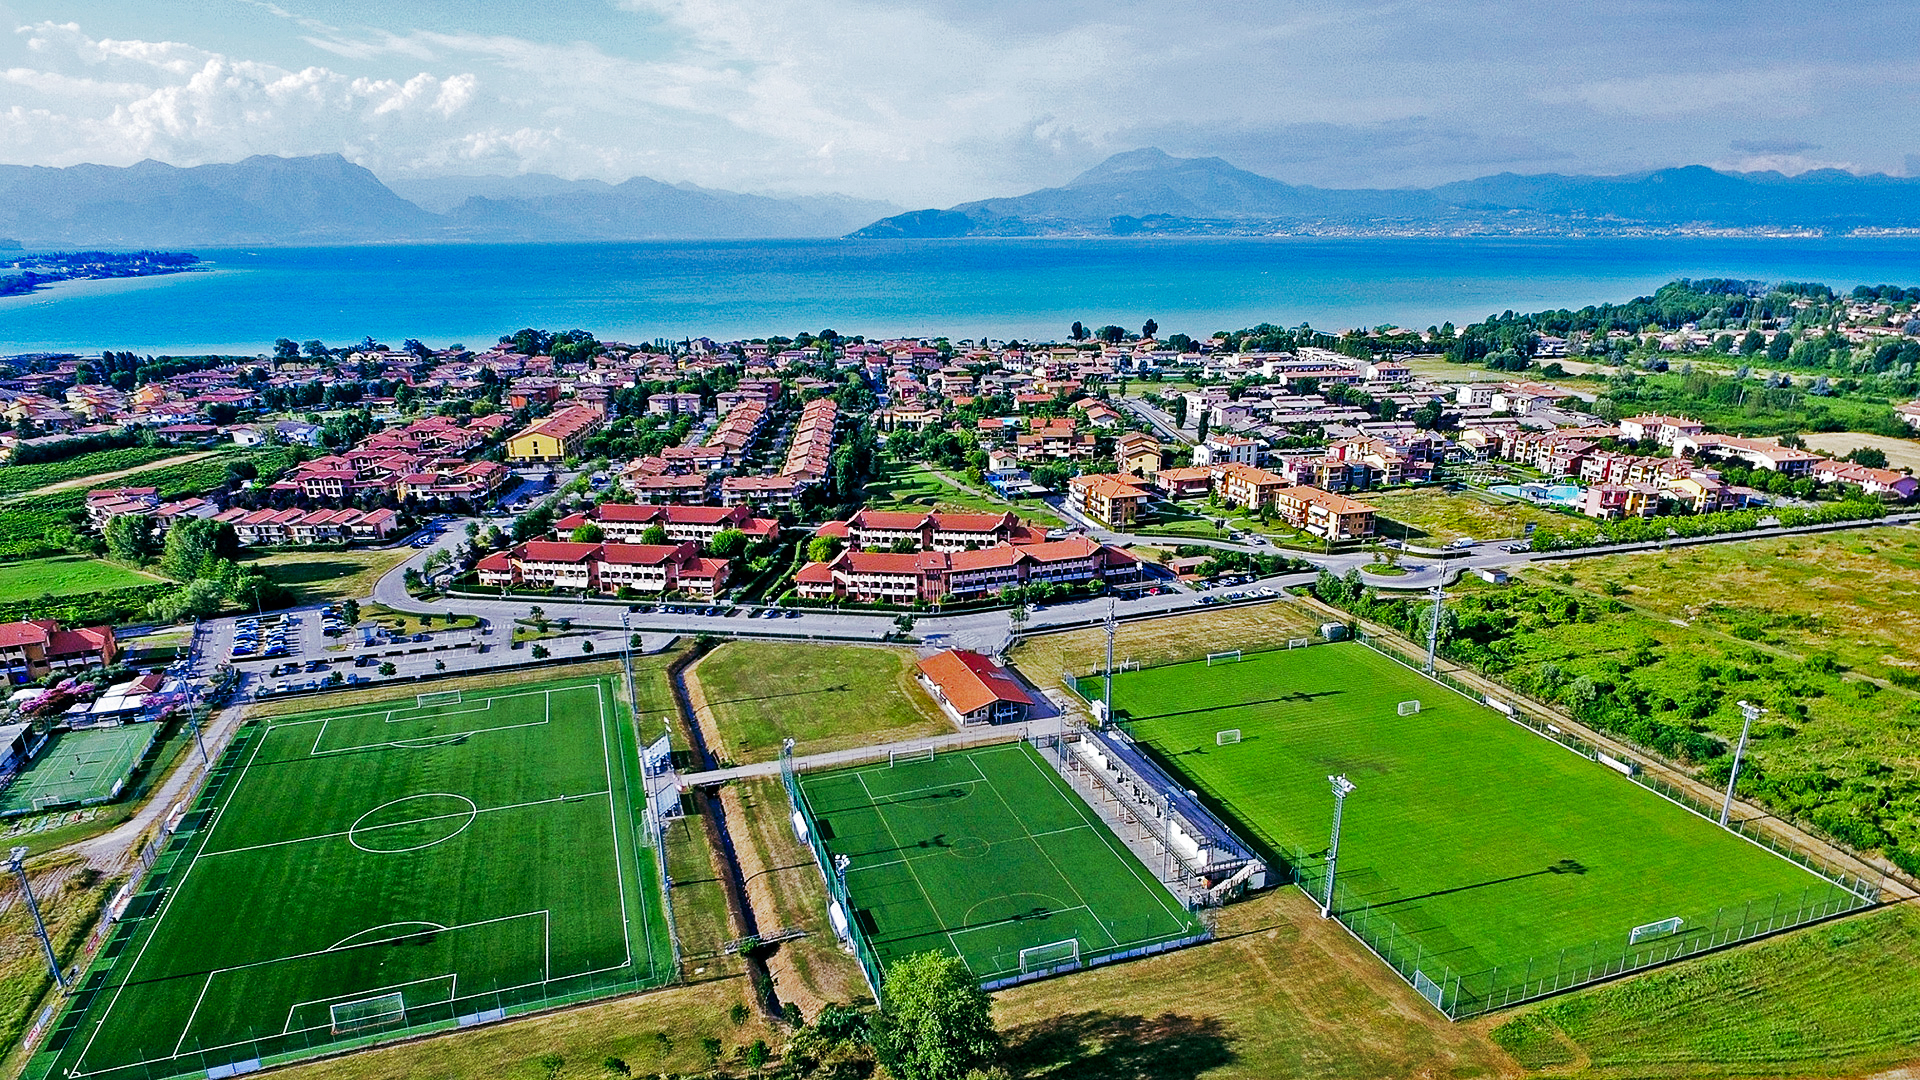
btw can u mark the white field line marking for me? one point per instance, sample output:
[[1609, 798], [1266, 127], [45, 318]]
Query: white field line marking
[[1015, 919], [1047, 855], [415, 821], [1156, 888], [932, 909]]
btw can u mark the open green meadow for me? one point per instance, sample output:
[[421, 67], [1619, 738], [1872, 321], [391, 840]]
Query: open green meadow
[[751, 695], [1472, 846], [65, 575], [365, 871], [78, 766], [985, 853]]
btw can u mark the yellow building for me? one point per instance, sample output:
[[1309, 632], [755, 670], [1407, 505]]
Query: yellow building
[[555, 438]]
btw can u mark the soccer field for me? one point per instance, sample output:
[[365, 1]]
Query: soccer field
[[354, 874], [1471, 847], [985, 853], [78, 766]]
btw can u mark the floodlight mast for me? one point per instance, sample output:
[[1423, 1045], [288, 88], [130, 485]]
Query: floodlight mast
[[1113, 627], [1342, 787], [1438, 596], [1749, 712], [17, 860]]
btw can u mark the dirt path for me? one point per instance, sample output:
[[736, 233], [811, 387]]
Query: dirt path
[[99, 478], [114, 850]]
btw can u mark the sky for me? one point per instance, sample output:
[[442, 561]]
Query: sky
[[937, 102]]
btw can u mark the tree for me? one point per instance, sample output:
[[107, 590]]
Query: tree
[[388, 668], [823, 548], [350, 612], [1079, 331], [1752, 342], [1111, 334], [1179, 410], [727, 544], [1149, 329], [589, 534], [1200, 430], [540, 652], [938, 1023], [586, 646], [654, 534], [1871, 457], [286, 349], [1780, 347], [755, 1055], [129, 537], [194, 547]]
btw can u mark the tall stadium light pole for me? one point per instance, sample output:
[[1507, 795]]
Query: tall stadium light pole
[[1437, 595], [1342, 787], [16, 859], [1749, 712], [1113, 627]]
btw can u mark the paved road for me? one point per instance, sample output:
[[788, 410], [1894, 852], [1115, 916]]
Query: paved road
[[1049, 725]]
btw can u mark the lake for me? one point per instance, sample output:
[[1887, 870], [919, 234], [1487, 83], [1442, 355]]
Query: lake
[[1000, 288]]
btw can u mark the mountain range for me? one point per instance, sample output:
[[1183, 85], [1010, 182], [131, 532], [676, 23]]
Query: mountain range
[[1150, 192], [325, 199]]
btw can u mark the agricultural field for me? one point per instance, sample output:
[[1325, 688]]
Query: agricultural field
[[1901, 453], [988, 855], [66, 575], [374, 869], [103, 464], [1473, 851], [751, 695], [917, 486], [1432, 516]]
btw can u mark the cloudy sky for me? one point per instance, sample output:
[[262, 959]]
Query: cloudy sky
[[939, 101]]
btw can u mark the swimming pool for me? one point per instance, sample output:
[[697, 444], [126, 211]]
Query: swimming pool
[[1561, 494]]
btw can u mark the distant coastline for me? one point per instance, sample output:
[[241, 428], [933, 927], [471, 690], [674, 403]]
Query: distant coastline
[[31, 273]]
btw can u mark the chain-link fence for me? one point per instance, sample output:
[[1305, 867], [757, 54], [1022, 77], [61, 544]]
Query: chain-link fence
[[847, 925]]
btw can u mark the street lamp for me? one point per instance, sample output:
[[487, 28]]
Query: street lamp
[[1342, 787], [16, 859], [1749, 713]]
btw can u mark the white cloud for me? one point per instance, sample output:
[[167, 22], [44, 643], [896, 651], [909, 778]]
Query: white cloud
[[1666, 94]]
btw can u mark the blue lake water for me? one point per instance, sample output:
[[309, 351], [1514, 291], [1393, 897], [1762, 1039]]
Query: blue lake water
[[960, 288]]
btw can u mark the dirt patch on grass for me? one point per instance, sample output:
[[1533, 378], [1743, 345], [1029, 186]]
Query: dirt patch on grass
[[1901, 453], [1042, 657]]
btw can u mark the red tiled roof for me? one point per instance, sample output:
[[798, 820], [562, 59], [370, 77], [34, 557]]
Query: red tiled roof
[[557, 551], [970, 681]]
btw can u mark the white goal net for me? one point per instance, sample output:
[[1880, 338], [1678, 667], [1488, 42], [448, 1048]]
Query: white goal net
[[1408, 708], [437, 697], [896, 757], [369, 1014], [1232, 656], [1051, 956], [1226, 738], [1655, 930]]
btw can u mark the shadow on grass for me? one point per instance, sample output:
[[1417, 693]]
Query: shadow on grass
[[1102, 1045]]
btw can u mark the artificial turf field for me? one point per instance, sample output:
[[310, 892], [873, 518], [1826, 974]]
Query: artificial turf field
[[1489, 848], [982, 853], [466, 857], [78, 766]]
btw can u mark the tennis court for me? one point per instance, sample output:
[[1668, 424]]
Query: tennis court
[[986, 854], [78, 766]]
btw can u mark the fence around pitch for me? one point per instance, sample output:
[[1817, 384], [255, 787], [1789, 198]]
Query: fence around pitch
[[141, 918], [836, 889]]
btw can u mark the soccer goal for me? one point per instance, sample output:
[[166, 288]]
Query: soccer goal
[[895, 757], [1231, 656], [437, 697], [1299, 642], [1408, 708], [1050, 957], [1655, 930], [369, 1014], [1228, 737]]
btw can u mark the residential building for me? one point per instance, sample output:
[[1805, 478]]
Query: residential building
[[974, 573], [1138, 454], [556, 438], [1324, 513], [649, 569], [1883, 482], [34, 649], [1227, 450], [1244, 485], [1113, 501], [625, 523]]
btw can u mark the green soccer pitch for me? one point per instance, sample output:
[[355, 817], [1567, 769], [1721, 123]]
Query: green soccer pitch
[[1477, 846], [77, 767], [983, 853], [356, 873]]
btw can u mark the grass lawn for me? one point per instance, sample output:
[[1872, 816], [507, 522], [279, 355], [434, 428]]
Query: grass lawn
[[380, 858], [982, 854], [1171, 520], [317, 577], [71, 897], [407, 622], [1440, 516], [1042, 657], [1835, 1000], [912, 485], [66, 575], [750, 695], [1471, 848]]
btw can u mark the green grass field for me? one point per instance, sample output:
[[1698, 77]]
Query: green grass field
[[77, 766], [753, 694], [983, 853], [65, 575], [1491, 852], [360, 872]]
